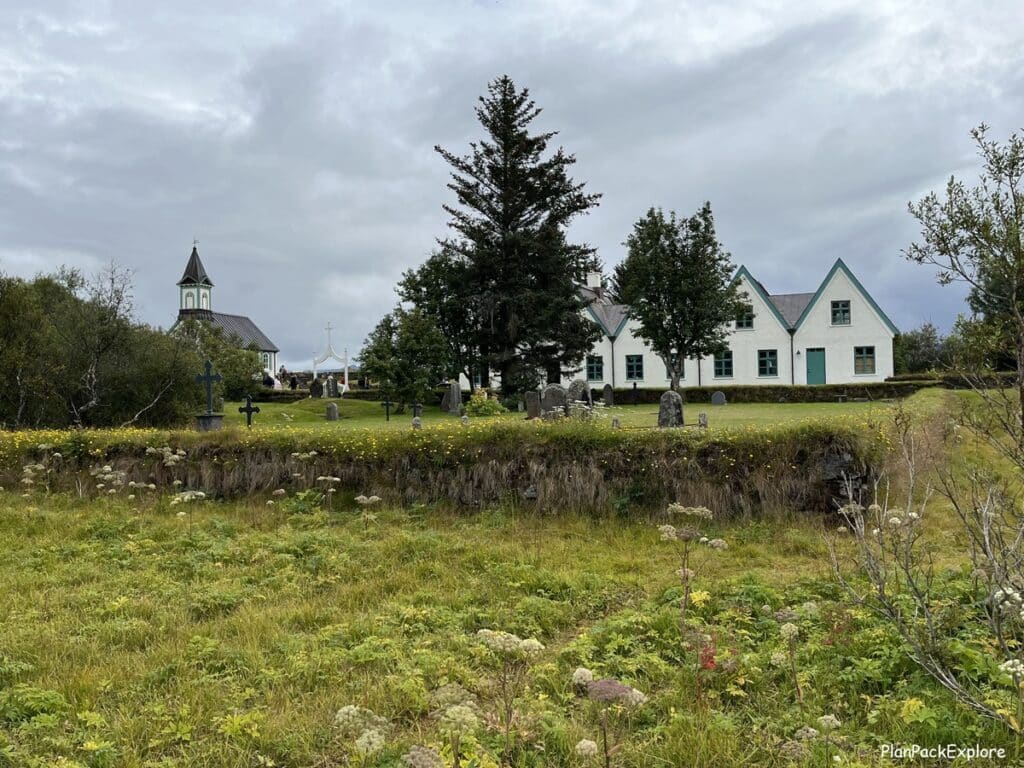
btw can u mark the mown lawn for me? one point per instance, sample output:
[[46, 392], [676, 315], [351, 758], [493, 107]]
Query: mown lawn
[[365, 414]]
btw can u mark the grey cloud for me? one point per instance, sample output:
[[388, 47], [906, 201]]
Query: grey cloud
[[297, 141]]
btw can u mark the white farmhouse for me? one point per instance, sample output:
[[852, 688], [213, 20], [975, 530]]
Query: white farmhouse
[[836, 335]]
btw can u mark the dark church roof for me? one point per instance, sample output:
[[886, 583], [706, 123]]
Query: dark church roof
[[195, 272], [237, 327], [791, 306], [608, 314]]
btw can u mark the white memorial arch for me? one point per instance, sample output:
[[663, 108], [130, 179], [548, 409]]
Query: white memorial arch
[[330, 354]]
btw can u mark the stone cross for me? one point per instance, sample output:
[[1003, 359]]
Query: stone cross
[[209, 379], [249, 409], [634, 393], [386, 405], [417, 410]]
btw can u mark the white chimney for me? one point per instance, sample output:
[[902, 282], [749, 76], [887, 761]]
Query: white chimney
[[593, 279]]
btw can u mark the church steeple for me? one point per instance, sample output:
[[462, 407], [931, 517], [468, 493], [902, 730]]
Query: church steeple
[[194, 286]]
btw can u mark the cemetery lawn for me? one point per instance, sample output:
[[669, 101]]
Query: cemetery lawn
[[362, 414]]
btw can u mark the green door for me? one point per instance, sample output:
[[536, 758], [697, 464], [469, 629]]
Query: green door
[[815, 366]]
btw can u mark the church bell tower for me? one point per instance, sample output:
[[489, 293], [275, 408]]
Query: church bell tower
[[195, 287]]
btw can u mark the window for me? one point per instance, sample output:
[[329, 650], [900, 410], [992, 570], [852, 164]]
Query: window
[[863, 359], [841, 312], [682, 370], [723, 365], [634, 367], [745, 320], [767, 362], [595, 368], [266, 360]]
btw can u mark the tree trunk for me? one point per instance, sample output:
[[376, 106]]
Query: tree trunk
[[1020, 393], [554, 373]]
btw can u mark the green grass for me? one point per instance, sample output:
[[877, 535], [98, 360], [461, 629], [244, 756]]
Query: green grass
[[229, 636], [136, 633], [365, 414]]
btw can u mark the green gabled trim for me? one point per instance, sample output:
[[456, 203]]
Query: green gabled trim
[[596, 319], [744, 272], [841, 265], [622, 324]]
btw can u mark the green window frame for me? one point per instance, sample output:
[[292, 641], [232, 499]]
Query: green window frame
[[863, 360], [595, 368], [723, 365], [841, 312], [634, 367], [745, 320], [767, 362]]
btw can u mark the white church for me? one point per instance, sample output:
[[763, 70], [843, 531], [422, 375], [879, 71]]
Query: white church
[[836, 335], [195, 300]]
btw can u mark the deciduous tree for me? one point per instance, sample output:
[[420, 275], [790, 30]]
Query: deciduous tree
[[676, 280]]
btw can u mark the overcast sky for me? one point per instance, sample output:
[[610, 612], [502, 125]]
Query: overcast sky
[[295, 140]]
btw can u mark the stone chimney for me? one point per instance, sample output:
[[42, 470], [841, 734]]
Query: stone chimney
[[594, 282]]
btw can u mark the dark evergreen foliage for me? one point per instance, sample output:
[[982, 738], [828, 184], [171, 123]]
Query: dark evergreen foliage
[[518, 273]]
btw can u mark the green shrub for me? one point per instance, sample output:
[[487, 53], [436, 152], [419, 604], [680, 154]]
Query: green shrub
[[482, 404]]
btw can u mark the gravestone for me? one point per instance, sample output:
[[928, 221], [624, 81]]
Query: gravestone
[[417, 422], [702, 420], [533, 405], [465, 420], [446, 400], [670, 410], [553, 399], [578, 390], [316, 389], [718, 398], [616, 424], [455, 398], [332, 386], [293, 383], [332, 412], [609, 395]]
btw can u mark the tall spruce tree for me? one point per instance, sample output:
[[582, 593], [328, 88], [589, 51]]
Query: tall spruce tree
[[677, 281], [521, 273]]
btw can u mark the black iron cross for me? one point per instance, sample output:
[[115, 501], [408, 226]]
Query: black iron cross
[[386, 405], [209, 379], [249, 409], [417, 409]]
